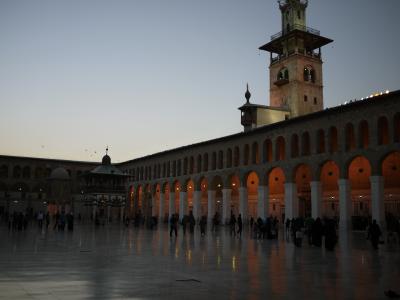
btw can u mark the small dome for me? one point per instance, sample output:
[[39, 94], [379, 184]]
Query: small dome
[[106, 160], [59, 174]]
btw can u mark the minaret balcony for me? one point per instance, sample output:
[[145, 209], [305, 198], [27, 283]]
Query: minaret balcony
[[312, 54], [281, 82], [295, 27]]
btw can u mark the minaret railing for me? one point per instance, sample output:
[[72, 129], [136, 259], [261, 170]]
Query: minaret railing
[[295, 27]]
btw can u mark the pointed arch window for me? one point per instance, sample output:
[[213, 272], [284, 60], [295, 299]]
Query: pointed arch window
[[309, 74]]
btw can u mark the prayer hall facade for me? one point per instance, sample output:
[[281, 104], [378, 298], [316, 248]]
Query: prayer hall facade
[[294, 158]]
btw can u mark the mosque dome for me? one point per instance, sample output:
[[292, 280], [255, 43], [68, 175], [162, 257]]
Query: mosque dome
[[106, 160], [59, 174]]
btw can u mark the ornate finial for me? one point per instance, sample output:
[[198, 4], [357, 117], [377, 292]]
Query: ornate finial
[[247, 95], [107, 150]]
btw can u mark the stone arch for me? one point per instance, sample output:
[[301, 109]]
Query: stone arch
[[329, 177], [255, 154], [131, 197], [252, 184], [214, 161], [216, 185], [303, 178], [166, 188], [185, 166], [156, 203], [176, 190], [236, 156], [205, 162], [220, 159], [17, 172], [234, 183], [309, 74], [383, 131], [350, 140], [267, 151], [320, 141], [280, 148], [204, 196], [179, 167], [391, 174], [305, 144], [359, 173], [229, 158], [216, 181], [363, 134], [4, 172], [147, 198], [191, 165], [26, 172], [246, 155], [276, 183], [283, 74], [139, 199], [199, 163], [333, 140], [168, 169], [396, 128], [294, 146], [190, 188]]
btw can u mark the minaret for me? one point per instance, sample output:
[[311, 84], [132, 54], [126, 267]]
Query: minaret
[[295, 62]]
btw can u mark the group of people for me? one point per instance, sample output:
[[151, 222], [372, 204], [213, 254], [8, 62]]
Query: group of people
[[190, 221], [19, 221], [261, 229], [63, 219], [314, 230], [186, 220]]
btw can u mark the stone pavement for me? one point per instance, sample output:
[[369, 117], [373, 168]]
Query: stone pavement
[[118, 263]]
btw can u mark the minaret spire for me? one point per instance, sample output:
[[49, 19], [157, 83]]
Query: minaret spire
[[247, 94]]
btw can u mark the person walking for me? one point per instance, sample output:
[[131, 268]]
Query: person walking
[[203, 223], [40, 217], [185, 221], [47, 220], [287, 226], [173, 224], [374, 233], [316, 233], [240, 225], [232, 224], [192, 222], [330, 235]]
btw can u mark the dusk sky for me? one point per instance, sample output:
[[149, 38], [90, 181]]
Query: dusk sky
[[144, 76]]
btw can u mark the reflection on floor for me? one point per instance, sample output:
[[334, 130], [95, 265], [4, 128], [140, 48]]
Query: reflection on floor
[[120, 263]]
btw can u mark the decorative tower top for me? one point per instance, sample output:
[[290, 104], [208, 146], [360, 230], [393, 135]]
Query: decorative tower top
[[248, 94], [106, 159], [293, 14]]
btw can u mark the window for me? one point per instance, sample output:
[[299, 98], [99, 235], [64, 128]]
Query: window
[[315, 100], [299, 14], [309, 74], [283, 74], [305, 98]]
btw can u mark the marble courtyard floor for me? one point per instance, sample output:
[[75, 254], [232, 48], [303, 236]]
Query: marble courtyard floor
[[119, 263]]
